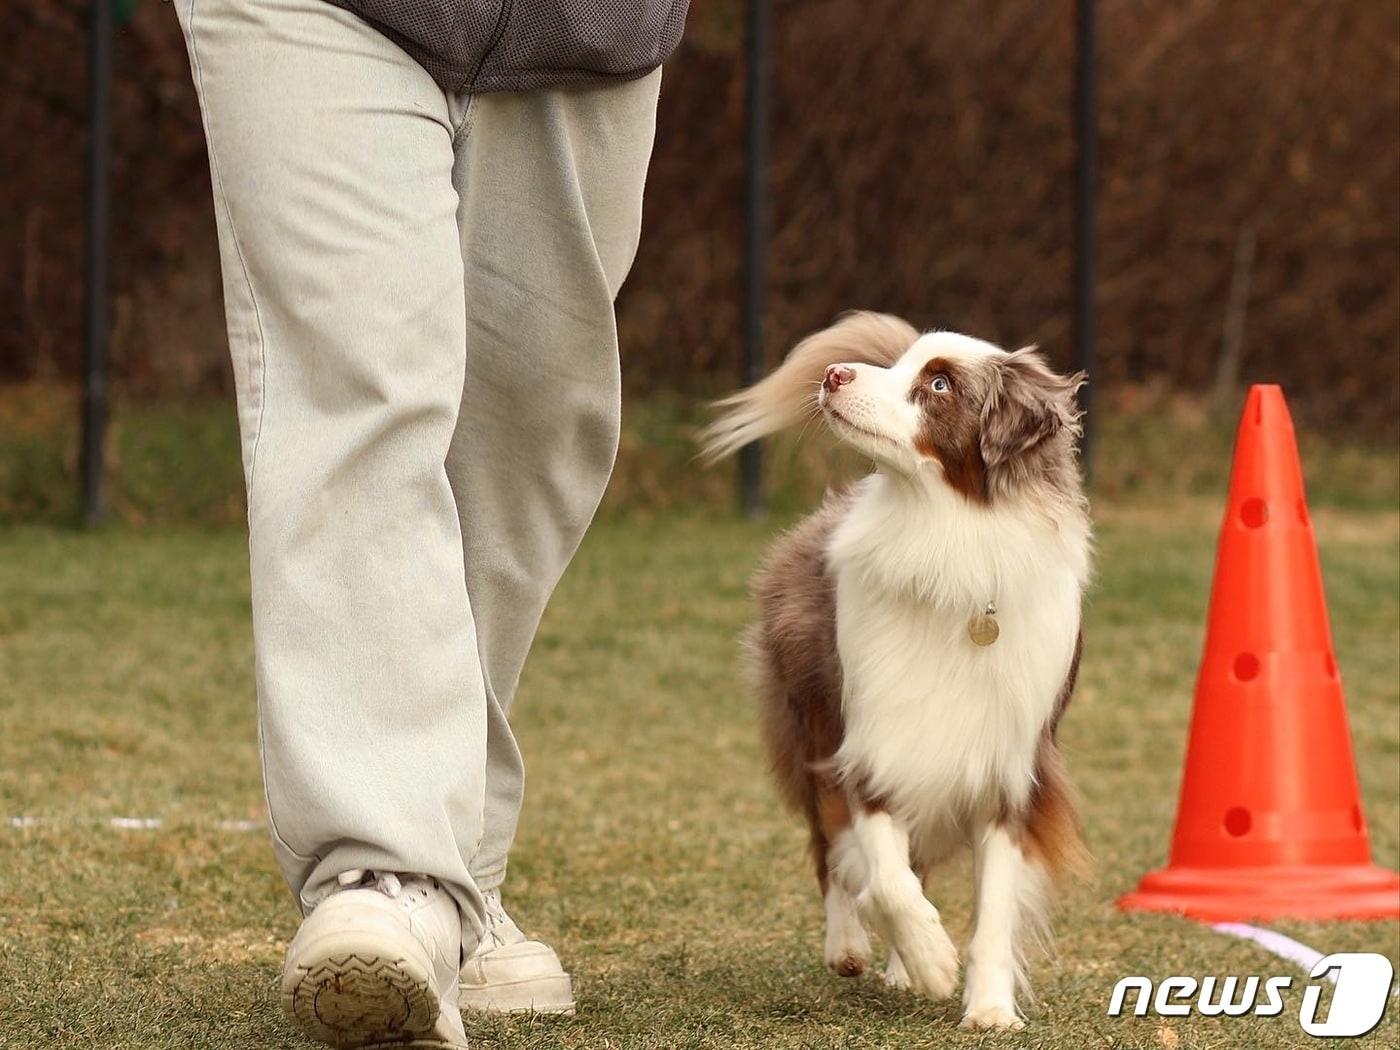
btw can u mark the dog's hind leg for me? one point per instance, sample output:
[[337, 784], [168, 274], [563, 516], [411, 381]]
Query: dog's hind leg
[[847, 943], [892, 900], [1010, 894], [847, 949], [896, 976]]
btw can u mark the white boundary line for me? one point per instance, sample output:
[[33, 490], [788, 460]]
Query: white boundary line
[[1296, 952], [21, 823], [1283, 946]]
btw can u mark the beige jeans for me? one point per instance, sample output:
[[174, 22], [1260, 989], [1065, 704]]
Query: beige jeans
[[419, 291]]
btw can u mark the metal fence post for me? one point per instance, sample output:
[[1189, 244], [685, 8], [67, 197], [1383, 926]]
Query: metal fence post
[[756, 132], [1086, 175], [96, 262]]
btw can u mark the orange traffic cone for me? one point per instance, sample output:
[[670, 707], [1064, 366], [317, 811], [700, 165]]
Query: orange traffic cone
[[1269, 822]]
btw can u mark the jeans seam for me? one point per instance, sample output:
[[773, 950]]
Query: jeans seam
[[463, 127], [314, 858], [217, 175]]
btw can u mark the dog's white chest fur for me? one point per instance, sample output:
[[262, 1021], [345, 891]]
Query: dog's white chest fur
[[936, 724]]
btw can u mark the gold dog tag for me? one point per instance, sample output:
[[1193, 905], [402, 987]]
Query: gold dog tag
[[982, 628]]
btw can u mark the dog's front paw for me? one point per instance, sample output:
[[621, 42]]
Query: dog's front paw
[[930, 961], [992, 1018]]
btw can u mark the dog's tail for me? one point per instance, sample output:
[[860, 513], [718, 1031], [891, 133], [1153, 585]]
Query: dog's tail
[[1054, 835], [788, 396]]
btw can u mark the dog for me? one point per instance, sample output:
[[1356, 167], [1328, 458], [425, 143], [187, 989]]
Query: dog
[[917, 642]]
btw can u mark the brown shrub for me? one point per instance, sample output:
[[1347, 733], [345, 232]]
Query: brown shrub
[[922, 163]]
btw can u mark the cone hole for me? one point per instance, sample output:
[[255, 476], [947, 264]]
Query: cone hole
[[1254, 512], [1238, 821], [1357, 820], [1331, 662], [1303, 511], [1246, 667]]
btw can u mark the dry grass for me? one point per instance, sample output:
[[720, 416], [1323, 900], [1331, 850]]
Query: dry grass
[[653, 853]]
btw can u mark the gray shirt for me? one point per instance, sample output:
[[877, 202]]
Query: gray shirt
[[514, 45]]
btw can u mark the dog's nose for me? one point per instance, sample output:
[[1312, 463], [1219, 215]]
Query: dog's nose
[[838, 376]]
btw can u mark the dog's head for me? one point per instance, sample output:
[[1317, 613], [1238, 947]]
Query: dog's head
[[984, 419], [939, 405]]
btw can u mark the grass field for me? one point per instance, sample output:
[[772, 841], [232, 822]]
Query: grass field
[[652, 851]]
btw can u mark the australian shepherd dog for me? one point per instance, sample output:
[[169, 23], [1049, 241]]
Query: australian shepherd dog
[[917, 642]]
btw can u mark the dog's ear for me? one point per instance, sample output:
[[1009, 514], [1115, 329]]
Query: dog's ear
[[1027, 404], [786, 397]]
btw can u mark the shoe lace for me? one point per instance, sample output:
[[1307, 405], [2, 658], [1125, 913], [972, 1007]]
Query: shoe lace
[[496, 918], [386, 882]]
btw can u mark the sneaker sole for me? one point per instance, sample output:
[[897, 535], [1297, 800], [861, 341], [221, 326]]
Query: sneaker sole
[[363, 1000], [539, 995]]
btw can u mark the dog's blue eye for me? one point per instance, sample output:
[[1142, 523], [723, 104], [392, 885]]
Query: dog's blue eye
[[940, 384]]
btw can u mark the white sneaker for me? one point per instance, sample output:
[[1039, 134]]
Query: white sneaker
[[376, 964], [509, 973]]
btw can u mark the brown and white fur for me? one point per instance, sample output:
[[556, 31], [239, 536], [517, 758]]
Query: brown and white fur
[[897, 737]]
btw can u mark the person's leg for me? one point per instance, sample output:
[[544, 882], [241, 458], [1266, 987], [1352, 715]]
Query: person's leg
[[331, 154], [551, 206]]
